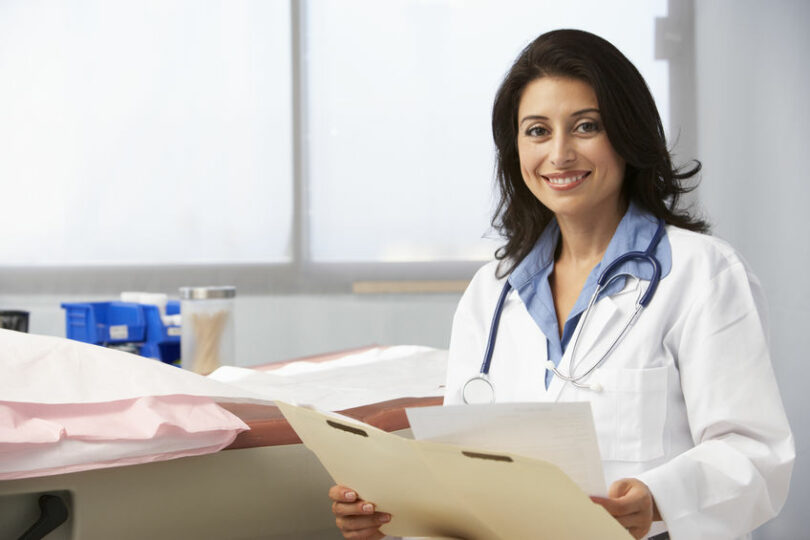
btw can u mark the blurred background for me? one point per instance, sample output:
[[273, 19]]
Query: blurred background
[[332, 159]]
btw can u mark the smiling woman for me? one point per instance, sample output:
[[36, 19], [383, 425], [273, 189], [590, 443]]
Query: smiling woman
[[587, 193]]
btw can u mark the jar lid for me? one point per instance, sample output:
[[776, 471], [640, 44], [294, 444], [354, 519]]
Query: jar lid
[[207, 293]]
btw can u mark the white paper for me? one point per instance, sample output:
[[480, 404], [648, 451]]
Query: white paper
[[369, 356], [560, 433], [373, 376], [46, 369]]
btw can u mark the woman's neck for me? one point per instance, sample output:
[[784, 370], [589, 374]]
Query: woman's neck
[[584, 239]]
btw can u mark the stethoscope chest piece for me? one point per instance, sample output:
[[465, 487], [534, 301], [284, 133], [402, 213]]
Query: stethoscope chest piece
[[478, 389]]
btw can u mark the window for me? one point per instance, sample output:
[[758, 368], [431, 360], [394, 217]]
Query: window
[[145, 132], [399, 95], [279, 145]]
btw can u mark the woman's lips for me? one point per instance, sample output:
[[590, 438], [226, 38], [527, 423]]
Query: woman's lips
[[565, 181]]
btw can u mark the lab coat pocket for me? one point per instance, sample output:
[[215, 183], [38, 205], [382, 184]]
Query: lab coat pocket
[[630, 413]]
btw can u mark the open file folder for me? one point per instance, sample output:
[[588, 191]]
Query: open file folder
[[442, 490]]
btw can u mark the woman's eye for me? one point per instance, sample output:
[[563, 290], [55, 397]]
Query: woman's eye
[[536, 131], [587, 127]]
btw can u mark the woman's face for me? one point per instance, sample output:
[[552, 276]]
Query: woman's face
[[566, 158]]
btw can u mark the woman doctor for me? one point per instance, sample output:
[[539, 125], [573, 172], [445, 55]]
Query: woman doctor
[[693, 436]]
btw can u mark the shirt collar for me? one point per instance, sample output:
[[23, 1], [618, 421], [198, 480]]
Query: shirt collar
[[540, 259], [634, 233]]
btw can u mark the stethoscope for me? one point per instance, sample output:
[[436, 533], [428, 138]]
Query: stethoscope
[[479, 388]]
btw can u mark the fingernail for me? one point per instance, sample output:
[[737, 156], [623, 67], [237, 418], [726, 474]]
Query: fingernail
[[385, 518], [350, 495], [367, 508]]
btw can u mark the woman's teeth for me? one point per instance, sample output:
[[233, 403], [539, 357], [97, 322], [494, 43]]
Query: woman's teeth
[[566, 180]]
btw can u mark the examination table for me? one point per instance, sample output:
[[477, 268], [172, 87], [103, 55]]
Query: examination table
[[265, 485]]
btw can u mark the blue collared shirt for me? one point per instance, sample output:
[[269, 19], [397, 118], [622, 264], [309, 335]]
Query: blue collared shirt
[[530, 277]]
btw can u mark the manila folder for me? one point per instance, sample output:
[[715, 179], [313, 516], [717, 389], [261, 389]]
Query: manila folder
[[441, 490]]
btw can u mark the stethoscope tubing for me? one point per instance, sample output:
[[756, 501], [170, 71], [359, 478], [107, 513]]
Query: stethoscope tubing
[[605, 278], [493, 328]]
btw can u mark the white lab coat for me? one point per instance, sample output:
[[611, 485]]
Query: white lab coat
[[689, 404]]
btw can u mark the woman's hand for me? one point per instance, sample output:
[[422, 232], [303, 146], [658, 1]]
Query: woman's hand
[[355, 517], [631, 503]]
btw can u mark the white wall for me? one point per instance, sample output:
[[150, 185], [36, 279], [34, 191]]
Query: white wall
[[753, 87]]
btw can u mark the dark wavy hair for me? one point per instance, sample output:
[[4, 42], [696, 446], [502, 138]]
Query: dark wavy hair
[[631, 122]]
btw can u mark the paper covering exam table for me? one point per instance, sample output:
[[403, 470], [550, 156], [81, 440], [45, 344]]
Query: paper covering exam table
[[265, 485]]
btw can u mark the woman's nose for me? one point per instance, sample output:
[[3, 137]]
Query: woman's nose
[[562, 151]]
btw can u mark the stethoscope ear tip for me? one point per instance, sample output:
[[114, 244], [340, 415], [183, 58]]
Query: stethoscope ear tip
[[596, 387]]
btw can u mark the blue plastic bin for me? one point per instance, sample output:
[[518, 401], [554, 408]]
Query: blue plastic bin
[[118, 323], [104, 322], [162, 342]]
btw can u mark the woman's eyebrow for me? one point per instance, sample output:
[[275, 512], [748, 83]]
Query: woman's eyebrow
[[575, 113], [533, 117], [585, 111]]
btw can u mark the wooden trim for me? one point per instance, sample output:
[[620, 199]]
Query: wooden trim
[[409, 287], [268, 426]]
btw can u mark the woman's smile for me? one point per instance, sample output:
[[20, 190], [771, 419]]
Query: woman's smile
[[565, 181]]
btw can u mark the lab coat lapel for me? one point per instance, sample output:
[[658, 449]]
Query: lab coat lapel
[[604, 324]]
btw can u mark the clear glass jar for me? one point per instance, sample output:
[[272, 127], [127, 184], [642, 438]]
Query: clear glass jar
[[207, 337]]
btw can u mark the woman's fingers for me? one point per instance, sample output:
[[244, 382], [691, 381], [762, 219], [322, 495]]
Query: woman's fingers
[[361, 512], [351, 509], [342, 494], [357, 519], [637, 524], [346, 503], [361, 509], [618, 508], [358, 523], [631, 504]]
